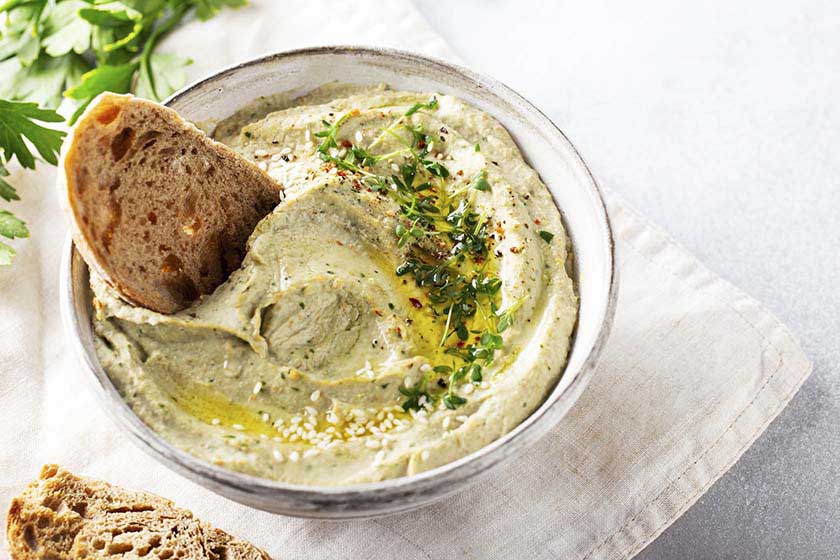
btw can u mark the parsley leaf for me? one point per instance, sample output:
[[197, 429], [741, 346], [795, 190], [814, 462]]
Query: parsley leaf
[[206, 9], [171, 74], [17, 121], [547, 236], [11, 227], [7, 191], [100, 79], [64, 31]]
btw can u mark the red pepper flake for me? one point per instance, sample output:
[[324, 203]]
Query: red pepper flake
[[460, 344], [514, 250], [378, 313], [537, 221], [421, 144], [346, 144], [355, 113], [415, 302]]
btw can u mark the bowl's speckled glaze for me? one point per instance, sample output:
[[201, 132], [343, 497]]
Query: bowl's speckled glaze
[[546, 149]]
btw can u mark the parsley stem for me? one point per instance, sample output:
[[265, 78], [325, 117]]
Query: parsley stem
[[159, 33]]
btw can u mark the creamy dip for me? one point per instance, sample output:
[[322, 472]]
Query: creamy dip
[[407, 302]]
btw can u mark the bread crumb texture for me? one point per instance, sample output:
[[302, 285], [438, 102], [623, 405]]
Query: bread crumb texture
[[63, 516]]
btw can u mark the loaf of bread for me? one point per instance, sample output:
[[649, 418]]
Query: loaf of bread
[[159, 210], [63, 516]]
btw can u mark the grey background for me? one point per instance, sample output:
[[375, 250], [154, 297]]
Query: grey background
[[721, 122]]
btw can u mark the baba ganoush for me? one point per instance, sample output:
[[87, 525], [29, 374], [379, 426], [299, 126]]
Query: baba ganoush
[[406, 303]]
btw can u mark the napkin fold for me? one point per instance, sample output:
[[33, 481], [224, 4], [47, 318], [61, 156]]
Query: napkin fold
[[693, 372]]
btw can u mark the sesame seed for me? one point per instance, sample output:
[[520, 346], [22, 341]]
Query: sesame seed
[[239, 427], [258, 387], [342, 152], [263, 165], [467, 389], [446, 422], [395, 167], [260, 153], [307, 135], [425, 367], [277, 455], [294, 456], [265, 417], [424, 455], [310, 411], [359, 136], [285, 151], [215, 421], [310, 453], [276, 157], [315, 396], [407, 382], [462, 418]]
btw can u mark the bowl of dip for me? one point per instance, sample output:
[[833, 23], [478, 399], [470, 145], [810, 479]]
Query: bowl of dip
[[429, 298]]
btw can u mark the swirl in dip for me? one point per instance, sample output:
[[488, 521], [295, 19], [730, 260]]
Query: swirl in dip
[[407, 302]]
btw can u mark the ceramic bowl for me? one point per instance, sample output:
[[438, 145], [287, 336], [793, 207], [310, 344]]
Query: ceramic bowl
[[547, 150]]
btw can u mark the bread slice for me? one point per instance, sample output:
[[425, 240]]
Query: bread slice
[[64, 516], [159, 210]]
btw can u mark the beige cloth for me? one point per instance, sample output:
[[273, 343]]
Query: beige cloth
[[693, 372]]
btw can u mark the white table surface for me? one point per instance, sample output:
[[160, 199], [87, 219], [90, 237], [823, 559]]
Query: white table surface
[[721, 122]]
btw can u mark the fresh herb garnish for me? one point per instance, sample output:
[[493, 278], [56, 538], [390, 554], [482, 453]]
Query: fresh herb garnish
[[452, 270], [430, 104], [547, 236], [19, 124]]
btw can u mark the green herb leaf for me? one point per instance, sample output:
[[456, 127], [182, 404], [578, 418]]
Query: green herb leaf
[[430, 104], [453, 401], [7, 191], [17, 121], [43, 81], [102, 78], [206, 9], [171, 75], [11, 226], [64, 31], [479, 182], [547, 236], [7, 254]]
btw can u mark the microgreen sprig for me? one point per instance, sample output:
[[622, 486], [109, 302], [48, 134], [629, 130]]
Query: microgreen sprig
[[457, 292]]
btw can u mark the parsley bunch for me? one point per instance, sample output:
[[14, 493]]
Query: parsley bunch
[[51, 49]]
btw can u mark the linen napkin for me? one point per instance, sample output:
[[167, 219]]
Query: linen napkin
[[693, 373]]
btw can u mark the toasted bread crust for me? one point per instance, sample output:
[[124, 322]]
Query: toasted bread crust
[[64, 516], [158, 209]]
